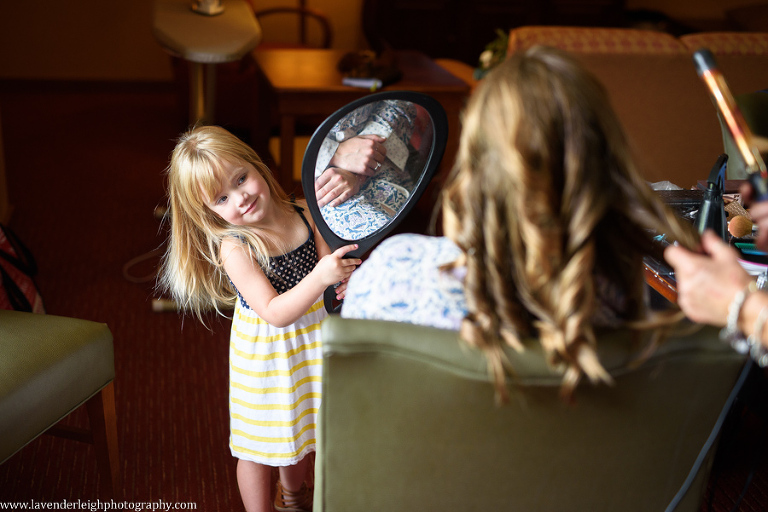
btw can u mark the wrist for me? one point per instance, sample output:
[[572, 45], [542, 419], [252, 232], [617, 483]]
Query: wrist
[[754, 302], [747, 318], [315, 279], [735, 324]]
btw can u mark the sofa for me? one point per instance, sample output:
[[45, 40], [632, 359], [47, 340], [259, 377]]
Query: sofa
[[653, 85], [408, 422]]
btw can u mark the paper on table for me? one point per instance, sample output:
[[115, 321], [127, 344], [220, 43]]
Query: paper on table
[[372, 84]]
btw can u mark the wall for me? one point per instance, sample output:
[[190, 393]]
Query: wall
[[702, 14], [111, 39], [82, 40]]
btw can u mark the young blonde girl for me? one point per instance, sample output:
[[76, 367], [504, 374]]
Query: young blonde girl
[[238, 240]]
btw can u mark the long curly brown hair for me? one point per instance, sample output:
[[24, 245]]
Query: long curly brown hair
[[546, 204]]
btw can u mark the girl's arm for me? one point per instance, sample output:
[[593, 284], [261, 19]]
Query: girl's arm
[[320, 244], [284, 309], [324, 250]]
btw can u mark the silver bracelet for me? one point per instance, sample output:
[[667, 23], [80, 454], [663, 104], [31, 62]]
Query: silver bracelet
[[730, 333], [762, 281]]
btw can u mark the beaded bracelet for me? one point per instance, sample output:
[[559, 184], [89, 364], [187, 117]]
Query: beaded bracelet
[[731, 330]]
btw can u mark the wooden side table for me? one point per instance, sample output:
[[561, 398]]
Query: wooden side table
[[306, 82], [205, 41]]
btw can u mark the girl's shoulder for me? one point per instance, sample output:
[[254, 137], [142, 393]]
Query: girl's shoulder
[[416, 247], [230, 244], [302, 203]]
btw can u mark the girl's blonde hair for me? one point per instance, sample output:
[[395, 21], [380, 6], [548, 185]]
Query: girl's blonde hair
[[191, 270], [545, 201]]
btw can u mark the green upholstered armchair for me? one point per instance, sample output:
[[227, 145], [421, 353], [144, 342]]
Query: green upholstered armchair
[[49, 366], [408, 422]]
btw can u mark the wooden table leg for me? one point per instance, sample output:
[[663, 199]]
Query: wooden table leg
[[209, 101], [196, 96]]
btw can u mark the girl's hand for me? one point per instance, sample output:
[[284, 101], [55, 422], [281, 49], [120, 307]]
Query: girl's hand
[[334, 268], [341, 290], [363, 154]]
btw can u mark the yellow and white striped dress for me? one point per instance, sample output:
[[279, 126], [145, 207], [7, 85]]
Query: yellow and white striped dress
[[274, 374]]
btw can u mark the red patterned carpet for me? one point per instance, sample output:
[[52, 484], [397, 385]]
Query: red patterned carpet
[[85, 170]]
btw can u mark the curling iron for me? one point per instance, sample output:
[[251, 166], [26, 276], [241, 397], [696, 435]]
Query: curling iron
[[734, 121]]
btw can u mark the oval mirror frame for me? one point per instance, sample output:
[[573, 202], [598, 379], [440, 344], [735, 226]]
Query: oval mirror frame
[[439, 139]]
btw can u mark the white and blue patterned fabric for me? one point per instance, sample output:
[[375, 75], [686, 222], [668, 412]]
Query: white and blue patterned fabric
[[401, 281], [384, 194], [378, 201]]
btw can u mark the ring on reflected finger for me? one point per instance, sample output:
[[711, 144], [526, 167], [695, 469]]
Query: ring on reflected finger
[[378, 164]]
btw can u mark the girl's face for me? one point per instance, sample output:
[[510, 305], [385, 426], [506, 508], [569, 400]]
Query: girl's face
[[243, 196]]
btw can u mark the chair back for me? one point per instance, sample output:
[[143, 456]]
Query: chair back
[[294, 27], [409, 422]]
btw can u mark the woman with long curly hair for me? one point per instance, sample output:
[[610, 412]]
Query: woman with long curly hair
[[546, 221]]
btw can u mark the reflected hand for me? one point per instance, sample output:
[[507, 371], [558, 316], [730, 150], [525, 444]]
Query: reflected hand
[[363, 154], [335, 186]]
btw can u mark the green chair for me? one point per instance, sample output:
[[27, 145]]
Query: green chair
[[408, 422], [49, 366]]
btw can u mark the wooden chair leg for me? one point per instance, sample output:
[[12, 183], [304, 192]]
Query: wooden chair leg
[[103, 422]]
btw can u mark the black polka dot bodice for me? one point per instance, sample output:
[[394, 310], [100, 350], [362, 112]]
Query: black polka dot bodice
[[287, 270]]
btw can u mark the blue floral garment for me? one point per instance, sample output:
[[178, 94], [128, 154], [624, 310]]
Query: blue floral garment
[[402, 281]]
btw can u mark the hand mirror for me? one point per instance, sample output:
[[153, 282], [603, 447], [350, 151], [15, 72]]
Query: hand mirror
[[414, 127]]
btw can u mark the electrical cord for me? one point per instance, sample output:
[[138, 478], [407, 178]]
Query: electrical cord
[[162, 214], [712, 437], [135, 261]]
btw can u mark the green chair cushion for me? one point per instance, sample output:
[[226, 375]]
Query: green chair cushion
[[49, 365]]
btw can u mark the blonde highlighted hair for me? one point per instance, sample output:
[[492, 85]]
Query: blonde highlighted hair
[[546, 204], [191, 271]]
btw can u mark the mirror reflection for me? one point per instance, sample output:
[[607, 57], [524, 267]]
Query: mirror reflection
[[369, 164]]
